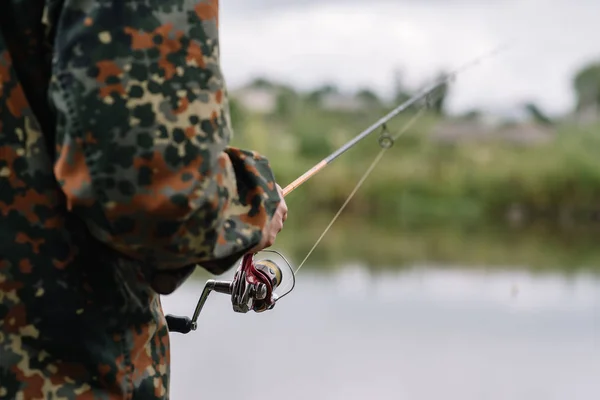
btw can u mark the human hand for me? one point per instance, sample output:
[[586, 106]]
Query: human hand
[[271, 230]]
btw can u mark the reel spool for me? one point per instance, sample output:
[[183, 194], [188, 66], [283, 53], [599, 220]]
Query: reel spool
[[256, 286]]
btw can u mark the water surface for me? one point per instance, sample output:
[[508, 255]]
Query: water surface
[[422, 333]]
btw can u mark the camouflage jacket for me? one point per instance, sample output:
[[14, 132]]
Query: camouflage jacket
[[116, 180]]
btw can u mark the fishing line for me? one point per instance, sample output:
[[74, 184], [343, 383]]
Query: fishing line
[[359, 184], [256, 284], [427, 94]]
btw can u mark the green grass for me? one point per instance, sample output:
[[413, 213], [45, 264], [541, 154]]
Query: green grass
[[419, 179], [420, 186], [536, 248]]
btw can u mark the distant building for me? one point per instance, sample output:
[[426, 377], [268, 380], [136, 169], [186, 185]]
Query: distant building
[[257, 99], [487, 127], [263, 100], [342, 102]]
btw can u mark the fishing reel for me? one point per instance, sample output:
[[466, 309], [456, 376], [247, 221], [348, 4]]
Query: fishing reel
[[256, 286]]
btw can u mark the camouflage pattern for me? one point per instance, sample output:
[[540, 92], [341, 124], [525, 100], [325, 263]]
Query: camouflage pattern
[[116, 181]]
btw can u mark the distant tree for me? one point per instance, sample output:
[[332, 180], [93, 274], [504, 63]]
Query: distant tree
[[471, 115], [436, 100], [316, 95], [369, 97], [438, 97], [537, 114], [401, 92], [586, 84], [237, 113], [262, 83], [287, 102]]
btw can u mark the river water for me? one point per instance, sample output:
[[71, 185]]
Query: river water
[[425, 333]]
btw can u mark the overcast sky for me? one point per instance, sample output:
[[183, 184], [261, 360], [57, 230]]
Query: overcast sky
[[357, 43]]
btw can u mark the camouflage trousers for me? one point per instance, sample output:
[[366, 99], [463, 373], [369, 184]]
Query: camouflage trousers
[[51, 351]]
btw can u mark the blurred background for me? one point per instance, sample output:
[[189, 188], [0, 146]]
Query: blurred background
[[467, 266]]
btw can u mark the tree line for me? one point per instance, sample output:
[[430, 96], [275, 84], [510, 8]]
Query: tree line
[[585, 84]]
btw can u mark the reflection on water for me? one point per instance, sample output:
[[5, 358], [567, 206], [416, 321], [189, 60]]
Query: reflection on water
[[424, 333], [534, 247]]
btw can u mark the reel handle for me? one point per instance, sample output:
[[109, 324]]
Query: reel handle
[[252, 289], [179, 324], [184, 324]]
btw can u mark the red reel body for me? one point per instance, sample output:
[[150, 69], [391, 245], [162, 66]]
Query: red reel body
[[253, 285], [253, 288]]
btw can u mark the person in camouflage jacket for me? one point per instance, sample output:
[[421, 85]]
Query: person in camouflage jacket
[[116, 181]]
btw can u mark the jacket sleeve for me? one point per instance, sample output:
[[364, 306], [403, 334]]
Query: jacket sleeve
[[143, 134]]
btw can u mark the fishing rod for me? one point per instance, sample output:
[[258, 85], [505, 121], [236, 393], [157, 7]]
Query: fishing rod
[[385, 140], [254, 283]]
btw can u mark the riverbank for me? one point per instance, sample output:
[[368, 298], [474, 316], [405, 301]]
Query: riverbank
[[538, 249], [475, 199], [535, 248], [474, 179]]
